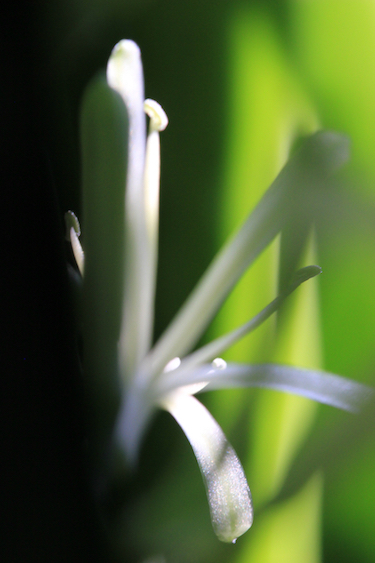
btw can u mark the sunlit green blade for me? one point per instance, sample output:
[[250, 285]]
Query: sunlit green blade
[[268, 109], [333, 448], [274, 446], [288, 532], [331, 37], [228, 493]]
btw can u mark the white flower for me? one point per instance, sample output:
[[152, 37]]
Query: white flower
[[119, 336]]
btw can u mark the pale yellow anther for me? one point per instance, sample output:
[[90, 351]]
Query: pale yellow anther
[[172, 365], [73, 231], [158, 117], [71, 220]]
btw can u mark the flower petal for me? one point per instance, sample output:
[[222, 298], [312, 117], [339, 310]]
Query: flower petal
[[291, 191], [125, 75], [219, 345], [323, 387], [228, 493]]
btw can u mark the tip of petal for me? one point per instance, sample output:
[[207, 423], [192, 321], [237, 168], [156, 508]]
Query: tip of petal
[[125, 74], [126, 48], [172, 365], [228, 493]]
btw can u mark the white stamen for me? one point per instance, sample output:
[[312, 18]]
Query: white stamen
[[158, 117], [219, 363], [77, 251], [281, 203], [73, 231], [158, 122], [71, 220], [172, 365]]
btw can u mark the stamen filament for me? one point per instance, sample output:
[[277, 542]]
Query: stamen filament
[[322, 153], [219, 345]]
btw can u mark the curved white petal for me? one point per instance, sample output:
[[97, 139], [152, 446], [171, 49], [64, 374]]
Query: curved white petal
[[319, 386], [228, 493]]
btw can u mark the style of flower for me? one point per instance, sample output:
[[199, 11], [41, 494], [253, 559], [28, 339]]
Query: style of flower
[[119, 278]]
